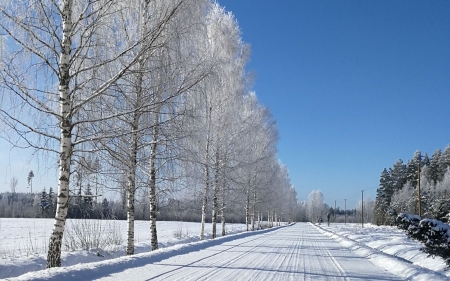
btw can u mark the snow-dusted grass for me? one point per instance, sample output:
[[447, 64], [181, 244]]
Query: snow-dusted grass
[[23, 245], [389, 243]]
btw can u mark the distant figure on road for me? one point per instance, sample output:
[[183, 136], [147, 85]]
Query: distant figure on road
[[328, 218]]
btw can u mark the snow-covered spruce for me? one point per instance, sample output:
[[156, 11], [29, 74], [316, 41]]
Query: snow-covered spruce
[[433, 233]]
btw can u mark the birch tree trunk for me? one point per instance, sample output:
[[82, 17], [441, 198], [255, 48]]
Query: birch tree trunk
[[215, 206], [205, 191], [252, 218], [153, 206], [206, 180], [131, 186], [259, 219], [222, 207], [222, 217], [66, 147], [247, 210], [253, 208]]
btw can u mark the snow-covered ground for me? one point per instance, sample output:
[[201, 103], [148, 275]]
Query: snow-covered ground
[[298, 252], [23, 242]]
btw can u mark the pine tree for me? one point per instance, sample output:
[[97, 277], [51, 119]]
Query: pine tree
[[425, 161], [412, 168], [444, 162], [398, 175], [51, 200], [88, 208], [433, 171], [384, 195], [30, 180], [44, 201]]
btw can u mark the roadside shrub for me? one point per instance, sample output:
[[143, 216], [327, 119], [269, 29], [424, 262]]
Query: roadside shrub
[[85, 234], [180, 233], [436, 237], [404, 221], [434, 234]]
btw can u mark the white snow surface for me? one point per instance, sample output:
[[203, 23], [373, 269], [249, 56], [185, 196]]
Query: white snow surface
[[23, 242], [300, 251]]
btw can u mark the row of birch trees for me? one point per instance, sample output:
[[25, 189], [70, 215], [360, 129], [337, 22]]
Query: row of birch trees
[[150, 98]]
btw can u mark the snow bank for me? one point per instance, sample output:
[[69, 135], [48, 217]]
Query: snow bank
[[399, 266]]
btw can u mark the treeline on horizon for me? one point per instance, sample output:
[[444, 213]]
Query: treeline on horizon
[[42, 205]]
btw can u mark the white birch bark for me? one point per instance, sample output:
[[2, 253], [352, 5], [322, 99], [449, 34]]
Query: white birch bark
[[247, 210], [259, 219], [152, 194], [223, 205], [222, 217], [254, 208], [55, 242], [215, 202], [206, 176], [131, 186]]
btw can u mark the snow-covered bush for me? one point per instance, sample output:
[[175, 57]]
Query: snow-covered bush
[[433, 233], [436, 237], [405, 221]]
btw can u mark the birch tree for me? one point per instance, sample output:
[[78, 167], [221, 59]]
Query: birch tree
[[220, 93], [180, 68], [64, 46], [316, 205]]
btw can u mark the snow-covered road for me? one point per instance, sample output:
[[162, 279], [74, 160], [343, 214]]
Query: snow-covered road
[[298, 252]]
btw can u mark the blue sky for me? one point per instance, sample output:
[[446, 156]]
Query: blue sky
[[353, 85]]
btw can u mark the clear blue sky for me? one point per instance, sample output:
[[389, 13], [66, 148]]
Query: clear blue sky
[[353, 85]]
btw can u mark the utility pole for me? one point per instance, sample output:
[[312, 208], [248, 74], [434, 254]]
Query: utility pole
[[345, 211], [362, 208], [418, 184], [334, 211]]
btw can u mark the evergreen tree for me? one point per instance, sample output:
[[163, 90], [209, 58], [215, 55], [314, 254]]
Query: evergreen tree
[[88, 202], [384, 195], [398, 175], [44, 201], [425, 161], [433, 174], [51, 200], [413, 167], [444, 162]]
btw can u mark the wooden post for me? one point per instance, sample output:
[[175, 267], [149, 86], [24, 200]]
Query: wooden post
[[418, 183], [362, 208], [334, 211], [345, 211]]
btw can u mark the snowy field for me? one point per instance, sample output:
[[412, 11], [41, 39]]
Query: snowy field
[[23, 245], [289, 252]]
